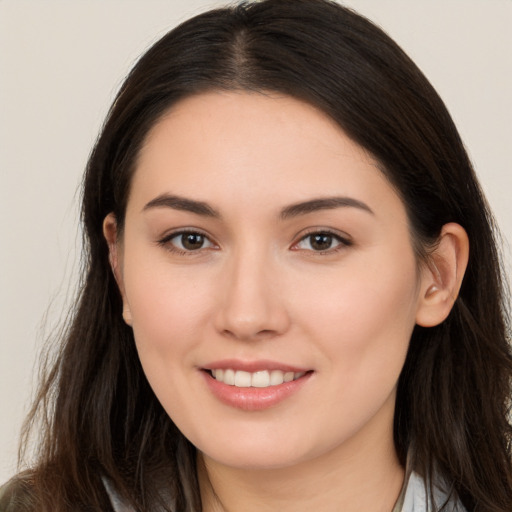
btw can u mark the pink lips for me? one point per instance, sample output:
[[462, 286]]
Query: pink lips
[[253, 398]]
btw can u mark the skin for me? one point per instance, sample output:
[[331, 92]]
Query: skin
[[258, 289]]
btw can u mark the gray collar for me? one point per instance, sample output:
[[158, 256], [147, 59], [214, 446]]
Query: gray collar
[[414, 497]]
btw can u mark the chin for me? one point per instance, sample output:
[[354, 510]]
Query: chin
[[261, 453], [254, 461]]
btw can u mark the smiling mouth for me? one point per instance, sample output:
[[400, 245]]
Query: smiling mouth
[[259, 379]]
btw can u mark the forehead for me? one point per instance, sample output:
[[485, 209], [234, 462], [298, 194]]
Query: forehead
[[228, 145]]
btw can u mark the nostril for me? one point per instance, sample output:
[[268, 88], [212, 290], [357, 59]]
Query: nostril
[[248, 334]]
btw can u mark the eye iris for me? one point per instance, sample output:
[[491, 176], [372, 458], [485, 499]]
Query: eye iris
[[192, 241], [321, 241]]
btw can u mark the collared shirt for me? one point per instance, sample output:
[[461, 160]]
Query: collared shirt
[[414, 497]]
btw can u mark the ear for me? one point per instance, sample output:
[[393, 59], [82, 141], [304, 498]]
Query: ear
[[110, 232], [442, 275]]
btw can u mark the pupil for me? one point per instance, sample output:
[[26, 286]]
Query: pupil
[[321, 242], [192, 241]]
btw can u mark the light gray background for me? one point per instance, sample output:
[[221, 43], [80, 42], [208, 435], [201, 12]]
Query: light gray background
[[60, 65]]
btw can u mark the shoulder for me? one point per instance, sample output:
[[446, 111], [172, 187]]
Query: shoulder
[[417, 498], [17, 495], [34, 491]]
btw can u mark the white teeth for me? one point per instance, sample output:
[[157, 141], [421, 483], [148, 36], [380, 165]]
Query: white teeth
[[276, 377], [242, 379], [229, 377], [261, 379], [288, 376]]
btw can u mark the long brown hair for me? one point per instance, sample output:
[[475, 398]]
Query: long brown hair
[[100, 416]]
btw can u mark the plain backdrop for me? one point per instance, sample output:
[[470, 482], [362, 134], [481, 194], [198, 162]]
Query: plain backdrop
[[61, 63]]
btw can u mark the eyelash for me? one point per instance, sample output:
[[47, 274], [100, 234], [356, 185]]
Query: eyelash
[[166, 242], [343, 242]]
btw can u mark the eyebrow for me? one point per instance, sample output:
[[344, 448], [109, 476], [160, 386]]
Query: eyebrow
[[327, 203], [183, 204], [294, 210]]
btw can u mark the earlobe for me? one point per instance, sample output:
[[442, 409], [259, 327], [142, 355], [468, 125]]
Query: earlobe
[[110, 232], [127, 314], [442, 276]]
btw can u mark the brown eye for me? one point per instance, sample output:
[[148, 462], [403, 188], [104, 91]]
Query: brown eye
[[188, 241], [322, 241], [192, 241]]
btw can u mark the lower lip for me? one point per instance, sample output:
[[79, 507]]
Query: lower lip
[[254, 399]]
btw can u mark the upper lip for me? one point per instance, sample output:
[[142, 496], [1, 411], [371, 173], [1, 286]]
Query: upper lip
[[252, 366]]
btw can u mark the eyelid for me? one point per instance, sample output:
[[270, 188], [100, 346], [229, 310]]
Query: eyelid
[[343, 239], [165, 241]]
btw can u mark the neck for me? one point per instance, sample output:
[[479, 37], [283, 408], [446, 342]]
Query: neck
[[362, 475]]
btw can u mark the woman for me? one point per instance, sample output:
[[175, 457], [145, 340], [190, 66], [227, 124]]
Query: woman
[[293, 297]]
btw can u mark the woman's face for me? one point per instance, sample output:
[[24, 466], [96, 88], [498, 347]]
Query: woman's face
[[261, 245]]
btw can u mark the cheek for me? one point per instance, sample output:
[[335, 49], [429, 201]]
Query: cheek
[[364, 326], [168, 306], [168, 310], [364, 317]]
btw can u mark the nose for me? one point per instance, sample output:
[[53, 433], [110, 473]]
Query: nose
[[252, 302]]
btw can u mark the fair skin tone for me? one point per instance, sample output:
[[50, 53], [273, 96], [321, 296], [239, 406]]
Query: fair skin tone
[[258, 238]]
